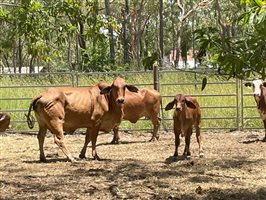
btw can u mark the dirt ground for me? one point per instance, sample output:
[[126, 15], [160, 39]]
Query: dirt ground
[[234, 167]]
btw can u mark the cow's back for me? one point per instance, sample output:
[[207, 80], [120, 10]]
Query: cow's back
[[77, 107], [141, 104]]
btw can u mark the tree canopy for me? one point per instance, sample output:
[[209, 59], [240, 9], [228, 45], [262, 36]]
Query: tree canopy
[[91, 35]]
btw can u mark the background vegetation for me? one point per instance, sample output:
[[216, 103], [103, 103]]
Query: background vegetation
[[103, 35]]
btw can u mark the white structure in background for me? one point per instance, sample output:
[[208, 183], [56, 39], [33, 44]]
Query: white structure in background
[[24, 70], [181, 64]]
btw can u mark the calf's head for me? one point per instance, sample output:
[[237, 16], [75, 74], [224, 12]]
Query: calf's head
[[180, 101], [117, 90]]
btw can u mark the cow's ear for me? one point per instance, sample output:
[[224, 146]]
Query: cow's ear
[[248, 84], [106, 90], [190, 103], [170, 105], [132, 88]]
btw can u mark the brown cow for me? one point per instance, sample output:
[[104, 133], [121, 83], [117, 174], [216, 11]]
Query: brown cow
[[4, 122], [144, 103], [187, 113], [259, 92], [67, 109]]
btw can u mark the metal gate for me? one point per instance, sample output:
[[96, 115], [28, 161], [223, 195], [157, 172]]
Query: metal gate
[[225, 104]]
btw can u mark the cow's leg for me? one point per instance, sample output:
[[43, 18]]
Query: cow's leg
[[264, 139], [156, 125], [198, 136], [57, 130], [177, 132], [187, 141], [94, 135], [87, 141], [41, 137], [116, 137]]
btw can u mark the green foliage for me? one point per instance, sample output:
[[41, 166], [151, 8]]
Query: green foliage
[[239, 56]]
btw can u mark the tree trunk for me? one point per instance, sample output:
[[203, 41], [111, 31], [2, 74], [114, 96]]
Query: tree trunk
[[20, 61], [14, 56], [125, 38], [161, 33], [111, 33]]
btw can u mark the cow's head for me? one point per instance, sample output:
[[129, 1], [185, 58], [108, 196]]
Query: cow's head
[[257, 85], [117, 90], [180, 101]]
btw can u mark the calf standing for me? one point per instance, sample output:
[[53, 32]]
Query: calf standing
[[259, 91], [187, 113]]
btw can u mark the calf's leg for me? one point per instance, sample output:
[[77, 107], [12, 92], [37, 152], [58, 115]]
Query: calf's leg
[[187, 141], [198, 136], [177, 132]]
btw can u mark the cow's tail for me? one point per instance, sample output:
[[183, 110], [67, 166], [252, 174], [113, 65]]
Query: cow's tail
[[163, 121], [30, 118]]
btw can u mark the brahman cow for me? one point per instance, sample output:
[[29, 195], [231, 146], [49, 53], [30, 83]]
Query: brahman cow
[[67, 109], [4, 122], [259, 91], [144, 103], [187, 113]]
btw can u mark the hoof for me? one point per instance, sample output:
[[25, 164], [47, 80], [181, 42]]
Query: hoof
[[114, 142], [264, 139], [43, 159], [153, 139], [96, 157], [201, 155], [82, 156]]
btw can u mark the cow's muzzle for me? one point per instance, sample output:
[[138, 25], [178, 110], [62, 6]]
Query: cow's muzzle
[[120, 101], [178, 109]]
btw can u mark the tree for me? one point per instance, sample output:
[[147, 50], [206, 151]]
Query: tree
[[239, 55]]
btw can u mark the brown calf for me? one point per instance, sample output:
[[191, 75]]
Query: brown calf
[[4, 122], [187, 113], [67, 109]]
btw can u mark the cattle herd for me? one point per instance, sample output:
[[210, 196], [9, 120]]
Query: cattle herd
[[103, 107]]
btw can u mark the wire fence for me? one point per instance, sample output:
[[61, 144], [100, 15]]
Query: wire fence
[[225, 104]]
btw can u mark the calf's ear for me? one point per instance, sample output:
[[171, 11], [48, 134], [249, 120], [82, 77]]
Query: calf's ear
[[248, 84], [170, 105], [190, 103], [106, 90], [132, 88]]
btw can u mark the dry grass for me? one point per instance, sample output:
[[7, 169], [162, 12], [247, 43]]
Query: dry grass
[[234, 167]]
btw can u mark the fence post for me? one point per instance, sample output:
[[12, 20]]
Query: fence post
[[237, 105], [242, 106], [156, 83]]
